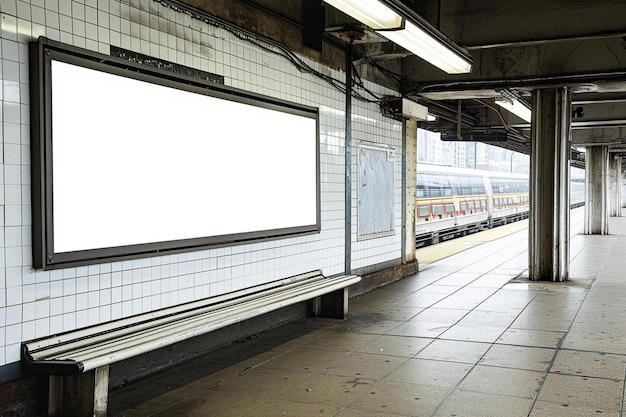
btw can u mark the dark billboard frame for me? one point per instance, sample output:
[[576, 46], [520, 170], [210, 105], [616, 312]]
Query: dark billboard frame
[[42, 53]]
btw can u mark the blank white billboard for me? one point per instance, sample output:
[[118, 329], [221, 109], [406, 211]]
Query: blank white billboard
[[131, 162]]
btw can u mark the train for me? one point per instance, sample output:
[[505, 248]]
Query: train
[[452, 202]]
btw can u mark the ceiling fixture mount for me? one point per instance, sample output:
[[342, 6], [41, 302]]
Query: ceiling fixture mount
[[511, 102], [401, 25]]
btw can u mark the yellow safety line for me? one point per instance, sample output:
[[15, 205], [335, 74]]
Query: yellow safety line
[[434, 253]]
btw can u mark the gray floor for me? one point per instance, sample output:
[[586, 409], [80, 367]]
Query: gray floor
[[467, 336]]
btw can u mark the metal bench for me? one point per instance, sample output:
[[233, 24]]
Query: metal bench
[[78, 361]]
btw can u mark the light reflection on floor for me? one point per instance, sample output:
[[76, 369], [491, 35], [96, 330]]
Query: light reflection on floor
[[467, 336]]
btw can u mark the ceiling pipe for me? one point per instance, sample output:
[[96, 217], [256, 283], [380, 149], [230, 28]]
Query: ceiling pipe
[[535, 42], [441, 110], [523, 83]]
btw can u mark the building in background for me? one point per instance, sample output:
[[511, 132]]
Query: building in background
[[477, 155]]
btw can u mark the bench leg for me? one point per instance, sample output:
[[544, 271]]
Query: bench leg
[[55, 396], [101, 391], [80, 395], [333, 305]]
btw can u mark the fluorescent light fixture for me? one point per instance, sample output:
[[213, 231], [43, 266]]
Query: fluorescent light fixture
[[422, 44], [372, 13], [516, 107], [431, 117], [410, 32]]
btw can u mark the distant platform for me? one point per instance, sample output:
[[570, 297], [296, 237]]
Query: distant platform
[[434, 253]]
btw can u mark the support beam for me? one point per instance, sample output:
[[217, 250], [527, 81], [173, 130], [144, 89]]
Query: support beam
[[348, 168], [599, 136], [521, 43], [596, 190], [409, 162], [534, 66], [548, 248], [490, 22], [615, 186]]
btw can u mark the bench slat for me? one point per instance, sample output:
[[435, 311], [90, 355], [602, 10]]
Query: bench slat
[[74, 351], [46, 342], [72, 344], [186, 323], [66, 355]]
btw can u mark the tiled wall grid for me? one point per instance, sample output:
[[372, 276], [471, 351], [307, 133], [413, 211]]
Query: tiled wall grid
[[35, 303], [369, 126]]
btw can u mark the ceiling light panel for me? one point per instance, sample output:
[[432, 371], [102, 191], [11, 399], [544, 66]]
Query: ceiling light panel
[[516, 107], [422, 44], [373, 13]]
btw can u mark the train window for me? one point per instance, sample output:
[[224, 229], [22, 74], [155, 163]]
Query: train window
[[463, 206], [437, 209], [470, 185], [423, 211], [502, 185], [470, 205], [495, 185], [525, 186], [463, 185], [451, 188], [456, 184], [449, 208], [433, 185], [509, 185], [478, 186], [474, 185], [483, 203], [510, 200]]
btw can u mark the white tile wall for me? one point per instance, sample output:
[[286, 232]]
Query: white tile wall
[[39, 303], [368, 125]]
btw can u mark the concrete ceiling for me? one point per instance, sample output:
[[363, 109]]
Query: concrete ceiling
[[521, 46], [516, 46]]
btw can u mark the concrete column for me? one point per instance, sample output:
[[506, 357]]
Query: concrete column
[[548, 246], [615, 186], [409, 166], [596, 190]]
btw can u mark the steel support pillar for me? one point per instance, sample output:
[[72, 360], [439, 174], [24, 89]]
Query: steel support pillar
[[596, 190], [548, 246], [409, 186], [615, 186], [348, 167]]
